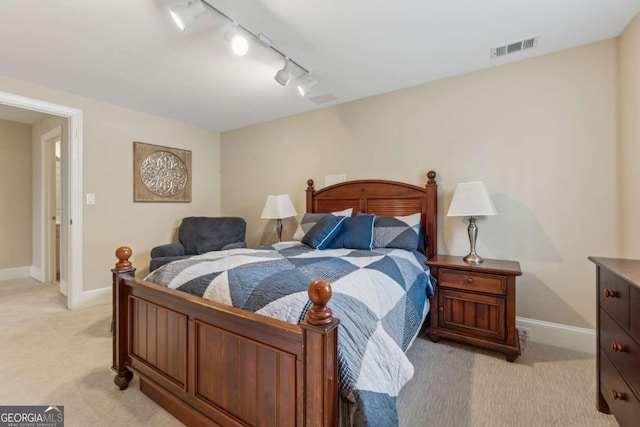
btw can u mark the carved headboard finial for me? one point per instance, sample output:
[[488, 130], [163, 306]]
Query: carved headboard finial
[[310, 184], [432, 177]]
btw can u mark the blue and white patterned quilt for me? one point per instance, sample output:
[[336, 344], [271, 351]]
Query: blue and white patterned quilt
[[380, 297]]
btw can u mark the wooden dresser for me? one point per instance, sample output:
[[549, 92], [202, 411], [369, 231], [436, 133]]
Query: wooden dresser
[[475, 303], [618, 328]]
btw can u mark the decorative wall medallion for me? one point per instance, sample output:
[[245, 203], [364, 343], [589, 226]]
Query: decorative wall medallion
[[161, 174]]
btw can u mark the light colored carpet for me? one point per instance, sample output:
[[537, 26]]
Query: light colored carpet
[[52, 356], [458, 385]]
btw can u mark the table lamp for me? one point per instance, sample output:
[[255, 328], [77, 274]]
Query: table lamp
[[471, 199], [278, 207]]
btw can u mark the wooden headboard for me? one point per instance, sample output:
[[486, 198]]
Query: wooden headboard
[[384, 198]]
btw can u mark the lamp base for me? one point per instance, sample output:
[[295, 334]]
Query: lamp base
[[473, 258], [279, 229]]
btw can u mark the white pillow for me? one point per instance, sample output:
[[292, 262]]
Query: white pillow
[[302, 230]]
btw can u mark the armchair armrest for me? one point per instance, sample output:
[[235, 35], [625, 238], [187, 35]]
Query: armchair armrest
[[168, 250]]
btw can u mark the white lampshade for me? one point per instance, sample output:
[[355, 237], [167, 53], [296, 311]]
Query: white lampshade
[[471, 199], [278, 207]]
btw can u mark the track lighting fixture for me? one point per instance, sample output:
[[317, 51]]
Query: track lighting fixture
[[283, 75], [184, 14], [305, 87], [237, 40]]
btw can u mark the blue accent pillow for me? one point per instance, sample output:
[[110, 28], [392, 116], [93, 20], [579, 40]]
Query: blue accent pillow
[[356, 233], [310, 219], [321, 234]]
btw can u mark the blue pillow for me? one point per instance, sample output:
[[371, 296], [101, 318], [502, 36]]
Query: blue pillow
[[321, 234], [356, 233]]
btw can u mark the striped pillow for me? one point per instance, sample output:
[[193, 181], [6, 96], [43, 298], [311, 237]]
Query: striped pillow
[[400, 232]]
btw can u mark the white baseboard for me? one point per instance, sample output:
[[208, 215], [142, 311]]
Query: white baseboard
[[15, 273], [37, 274], [94, 297], [565, 336]]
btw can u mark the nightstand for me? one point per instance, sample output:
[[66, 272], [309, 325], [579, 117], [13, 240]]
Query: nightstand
[[475, 303]]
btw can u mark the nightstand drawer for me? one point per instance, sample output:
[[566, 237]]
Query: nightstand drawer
[[479, 282], [621, 400], [623, 351]]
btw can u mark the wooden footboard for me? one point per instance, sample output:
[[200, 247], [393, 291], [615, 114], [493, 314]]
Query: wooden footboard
[[211, 364]]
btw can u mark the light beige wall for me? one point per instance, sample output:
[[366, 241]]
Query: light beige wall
[[629, 140], [115, 220], [541, 133], [15, 194]]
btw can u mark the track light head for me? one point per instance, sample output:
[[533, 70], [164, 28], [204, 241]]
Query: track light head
[[305, 87], [283, 75], [184, 14], [237, 40]]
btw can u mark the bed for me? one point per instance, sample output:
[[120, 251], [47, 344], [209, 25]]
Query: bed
[[209, 363]]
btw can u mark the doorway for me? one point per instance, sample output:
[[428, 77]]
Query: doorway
[[71, 256], [53, 208]]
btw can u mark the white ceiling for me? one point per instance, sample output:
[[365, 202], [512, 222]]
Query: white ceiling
[[129, 52]]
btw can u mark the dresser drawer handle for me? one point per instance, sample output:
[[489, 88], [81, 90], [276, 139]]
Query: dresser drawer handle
[[610, 294], [617, 347], [618, 395], [470, 280]]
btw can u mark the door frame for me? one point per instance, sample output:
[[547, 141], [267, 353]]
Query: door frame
[[71, 226]]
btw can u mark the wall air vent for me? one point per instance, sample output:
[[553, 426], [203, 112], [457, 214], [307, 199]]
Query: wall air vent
[[516, 46]]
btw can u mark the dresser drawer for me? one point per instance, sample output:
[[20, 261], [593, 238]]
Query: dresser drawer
[[634, 315], [614, 296], [626, 406], [623, 351], [489, 283]]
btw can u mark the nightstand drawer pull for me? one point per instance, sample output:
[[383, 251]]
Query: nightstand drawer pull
[[617, 347], [610, 294], [470, 280], [617, 395]]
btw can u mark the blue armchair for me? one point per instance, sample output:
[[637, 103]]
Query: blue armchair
[[198, 235]]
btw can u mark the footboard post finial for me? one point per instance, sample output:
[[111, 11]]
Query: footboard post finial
[[123, 253], [122, 270], [319, 294], [320, 331]]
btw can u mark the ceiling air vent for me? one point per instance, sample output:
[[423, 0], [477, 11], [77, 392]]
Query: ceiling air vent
[[323, 98], [517, 46]]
